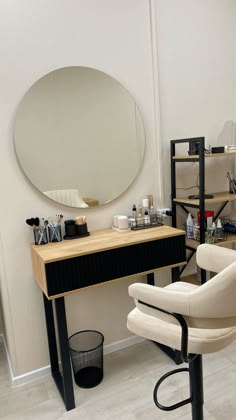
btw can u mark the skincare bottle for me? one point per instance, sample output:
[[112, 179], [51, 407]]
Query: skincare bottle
[[153, 216], [145, 204], [139, 216], [134, 212], [195, 230], [150, 200], [219, 230], [146, 218], [132, 222], [189, 226]]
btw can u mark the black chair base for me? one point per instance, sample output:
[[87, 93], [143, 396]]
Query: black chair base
[[196, 388]]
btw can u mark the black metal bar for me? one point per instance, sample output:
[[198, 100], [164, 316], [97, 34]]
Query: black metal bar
[[171, 353], [186, 140], [184, 329], [151, 279], [59, 383], [175, 274], [196, 387], [182, 204], [202, 188], [52, 344], [68, 391], [159, 382], [193, 159], [188, 259], [173, 184], [203, 276], [220, 209], [184, 209]]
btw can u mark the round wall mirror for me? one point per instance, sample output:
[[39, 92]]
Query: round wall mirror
[[79, 137]]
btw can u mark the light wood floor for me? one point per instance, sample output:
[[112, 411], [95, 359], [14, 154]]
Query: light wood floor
[[126, 390]]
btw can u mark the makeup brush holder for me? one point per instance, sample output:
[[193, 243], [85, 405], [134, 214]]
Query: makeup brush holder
[[82, 229], [54, 233], [40, 236]]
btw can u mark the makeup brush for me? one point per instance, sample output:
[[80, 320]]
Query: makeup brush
[[36, 221]]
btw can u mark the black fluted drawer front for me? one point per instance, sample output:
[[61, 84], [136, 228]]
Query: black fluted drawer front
[[87, 270]]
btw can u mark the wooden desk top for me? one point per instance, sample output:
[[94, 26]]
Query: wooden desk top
[[101, 240]]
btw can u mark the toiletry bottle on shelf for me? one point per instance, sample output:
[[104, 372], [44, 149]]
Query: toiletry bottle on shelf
[[150, 200], [145, 204], [219, 230], [153, 216], [146, 218], [134, 212], [195, 230], [189, 226], [213, 227], [139, 216]]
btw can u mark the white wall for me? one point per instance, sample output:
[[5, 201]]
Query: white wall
[[36, 38], [1, 318], [197, 78], [197, 70]]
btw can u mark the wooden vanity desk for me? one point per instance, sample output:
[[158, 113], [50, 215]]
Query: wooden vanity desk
[[71, 265]]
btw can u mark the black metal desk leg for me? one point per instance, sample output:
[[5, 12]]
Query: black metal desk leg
[[175, 274], [63, 382], [65, 355], [151, 279], [52, 344], [173, 354]]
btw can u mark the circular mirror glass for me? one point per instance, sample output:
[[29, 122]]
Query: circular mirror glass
[[79, 137]]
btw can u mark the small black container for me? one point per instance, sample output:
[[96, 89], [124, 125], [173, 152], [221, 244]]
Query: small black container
[[70, 228], [86, 351], [82, 229]]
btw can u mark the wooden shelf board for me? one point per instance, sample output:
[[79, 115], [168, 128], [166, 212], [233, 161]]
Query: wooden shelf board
[[218, 198]]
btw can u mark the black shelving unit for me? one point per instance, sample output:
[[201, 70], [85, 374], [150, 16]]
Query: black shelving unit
[[200, 159], [222, 198]]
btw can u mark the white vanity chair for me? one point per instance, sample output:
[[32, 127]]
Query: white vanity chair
[[193, 319]]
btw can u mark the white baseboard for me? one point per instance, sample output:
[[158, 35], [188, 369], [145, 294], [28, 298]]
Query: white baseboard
[[122, 344], [46, 370], [30, 376]]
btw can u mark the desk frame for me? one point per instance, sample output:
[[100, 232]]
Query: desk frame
[[46, 270]]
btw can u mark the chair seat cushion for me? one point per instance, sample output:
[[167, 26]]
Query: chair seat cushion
[[164, 331]]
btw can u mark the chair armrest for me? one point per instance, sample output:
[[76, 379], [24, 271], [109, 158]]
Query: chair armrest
[[169, 300], [214, 258]]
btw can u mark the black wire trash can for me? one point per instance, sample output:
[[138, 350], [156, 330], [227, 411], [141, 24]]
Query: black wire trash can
[[86, 351]]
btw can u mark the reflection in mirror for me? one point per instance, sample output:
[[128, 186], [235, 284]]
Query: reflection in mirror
[[79, 137]]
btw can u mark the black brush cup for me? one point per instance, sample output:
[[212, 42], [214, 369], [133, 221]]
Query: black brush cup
[[82, 229], [70, 228], [40, 236], [54, 233]]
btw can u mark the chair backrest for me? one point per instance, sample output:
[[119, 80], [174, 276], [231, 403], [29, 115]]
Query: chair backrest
[[217, 297]]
